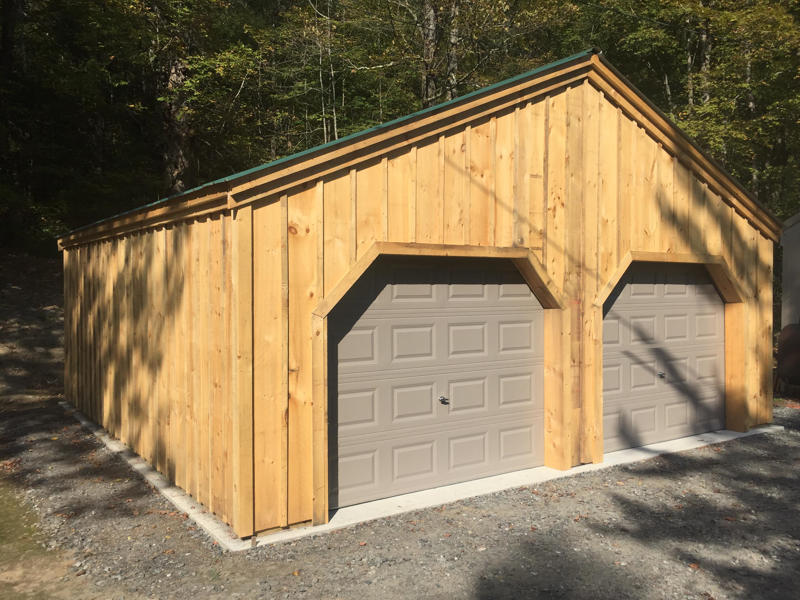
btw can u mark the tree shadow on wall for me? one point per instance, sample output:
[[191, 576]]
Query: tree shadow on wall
[[131, 297]]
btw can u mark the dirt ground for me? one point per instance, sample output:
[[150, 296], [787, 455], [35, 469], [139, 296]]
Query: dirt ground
[[75, 521]]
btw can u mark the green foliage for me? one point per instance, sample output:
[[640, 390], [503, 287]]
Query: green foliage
[[106, 106]]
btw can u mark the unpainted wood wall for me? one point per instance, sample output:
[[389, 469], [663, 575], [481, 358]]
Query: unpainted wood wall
[[151, 349], [157, 329]]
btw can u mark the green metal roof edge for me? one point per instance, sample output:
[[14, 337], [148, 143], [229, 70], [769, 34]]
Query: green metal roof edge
[[347, 138]]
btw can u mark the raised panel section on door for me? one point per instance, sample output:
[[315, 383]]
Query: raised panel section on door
[[436, 377]]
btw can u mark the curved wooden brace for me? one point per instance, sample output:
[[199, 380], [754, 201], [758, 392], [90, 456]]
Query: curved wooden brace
[[531, 270], [717, 267]]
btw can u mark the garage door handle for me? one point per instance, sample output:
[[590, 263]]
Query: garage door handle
[[661, 374], [443, 400]]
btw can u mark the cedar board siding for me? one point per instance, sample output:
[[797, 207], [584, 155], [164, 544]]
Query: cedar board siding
[[193, 342]]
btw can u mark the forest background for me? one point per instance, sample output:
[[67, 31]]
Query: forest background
[[109, 104]]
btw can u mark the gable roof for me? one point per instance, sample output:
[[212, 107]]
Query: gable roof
[[278, 176]]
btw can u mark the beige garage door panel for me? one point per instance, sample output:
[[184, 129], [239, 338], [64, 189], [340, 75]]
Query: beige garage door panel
[[663, 356], [412, 331]]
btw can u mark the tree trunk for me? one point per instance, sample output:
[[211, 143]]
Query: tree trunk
[[705, 62], [452, 52], [430, 34], [11, 12], [176, 162]]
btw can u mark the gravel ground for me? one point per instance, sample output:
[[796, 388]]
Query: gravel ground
[[75, 521]]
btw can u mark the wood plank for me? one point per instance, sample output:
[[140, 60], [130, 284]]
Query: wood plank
[[745, 263], [145, 406], [556, 242], [157, 345], [651, 216], [242, 411], [320, 418], [113, 336], [716, 221], [337, 230], [557, 419], [370, 182], [698, 222], [91, 335], [217, 451], [66, 265], [765, 314], [522, 180], [191, 382], [735, 360], [229, 348], [176, 282], [455, 204], [608, 190], [504, 160], [285, 376], [430, 222], [207, 359], [269, 349], [481, 185], [627, 188], [401, 191], [304, 294], [127, 330], [532, 154], [681, 202], [575, 239], [665, 196], [591, 433]]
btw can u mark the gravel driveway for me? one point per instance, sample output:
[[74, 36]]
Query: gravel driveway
[[75, 521]]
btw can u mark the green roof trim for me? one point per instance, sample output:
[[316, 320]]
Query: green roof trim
[[349, 138]]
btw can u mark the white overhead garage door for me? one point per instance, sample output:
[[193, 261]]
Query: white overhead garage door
[[435, 377], [663, 356]]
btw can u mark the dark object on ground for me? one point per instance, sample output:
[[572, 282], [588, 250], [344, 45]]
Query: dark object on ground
[[788, 370]]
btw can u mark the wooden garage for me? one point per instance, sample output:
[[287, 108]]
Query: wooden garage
[[535, 273]]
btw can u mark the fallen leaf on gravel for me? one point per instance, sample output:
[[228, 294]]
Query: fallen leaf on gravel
[[9, 466], [694, 566], [362, 543]]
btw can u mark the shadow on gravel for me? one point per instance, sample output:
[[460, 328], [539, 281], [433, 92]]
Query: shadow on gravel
[[31, 384], [556, 571], [68, 451], [750, 506]]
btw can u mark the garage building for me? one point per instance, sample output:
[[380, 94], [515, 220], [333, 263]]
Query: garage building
[[535, 273]]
